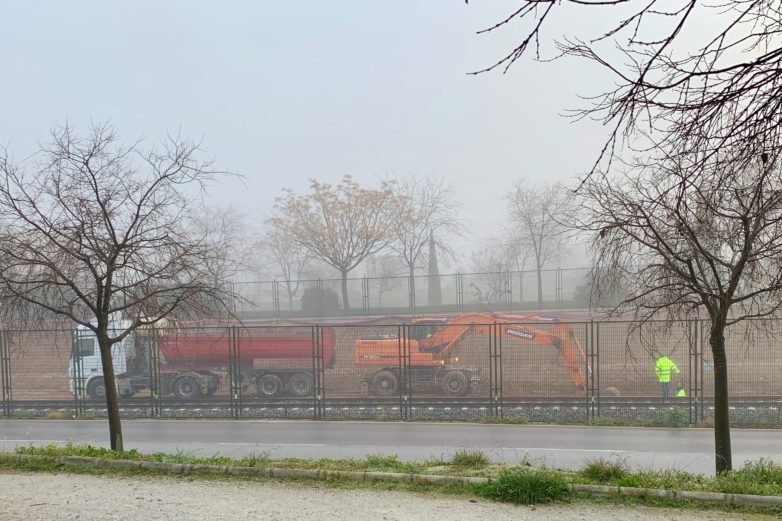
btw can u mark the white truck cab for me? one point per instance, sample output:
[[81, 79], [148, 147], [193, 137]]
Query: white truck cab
[[85, 370]]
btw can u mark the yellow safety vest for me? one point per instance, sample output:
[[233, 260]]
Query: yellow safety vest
[[663, 368]]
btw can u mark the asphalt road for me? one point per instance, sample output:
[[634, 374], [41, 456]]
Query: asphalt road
[[554, 446]]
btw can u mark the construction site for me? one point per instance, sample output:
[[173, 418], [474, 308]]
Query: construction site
[[450, 367]]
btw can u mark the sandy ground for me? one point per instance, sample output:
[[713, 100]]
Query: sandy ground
[[32, 497]]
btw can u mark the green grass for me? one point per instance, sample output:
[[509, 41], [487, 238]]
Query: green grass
[[603, 471], [470, 459], [517, 483], [527, 487], [515, 419]]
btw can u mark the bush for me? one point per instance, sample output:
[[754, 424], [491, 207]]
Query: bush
[[470, 458], [676, 418], [525, 487], [311, 302], [604, 471]]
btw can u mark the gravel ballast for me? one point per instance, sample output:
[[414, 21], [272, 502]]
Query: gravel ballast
[[42, 496]]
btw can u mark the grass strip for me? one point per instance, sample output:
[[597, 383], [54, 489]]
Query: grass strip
[[470, 469]]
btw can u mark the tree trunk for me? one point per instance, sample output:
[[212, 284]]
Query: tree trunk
[[345, 301], [435, 292], [722, 449], [112, 403], [290, 296], [411, 292], [540, 287]]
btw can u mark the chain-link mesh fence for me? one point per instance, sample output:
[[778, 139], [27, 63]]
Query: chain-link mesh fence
[[466, 367]]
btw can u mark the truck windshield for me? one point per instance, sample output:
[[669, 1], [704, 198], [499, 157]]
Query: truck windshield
[[84, 346]]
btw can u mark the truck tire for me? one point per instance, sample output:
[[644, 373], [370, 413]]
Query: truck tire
[[268, 386], [96, 389], [301, 384], [456, 383], [186, 388], [385, 383]]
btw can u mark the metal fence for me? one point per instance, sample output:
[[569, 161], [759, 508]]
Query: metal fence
[[568, 372], [500, 291]]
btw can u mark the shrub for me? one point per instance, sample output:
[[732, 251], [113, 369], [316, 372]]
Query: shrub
[[604, 471], [525, 487], [676, 418], [311, 302], [470, 458]]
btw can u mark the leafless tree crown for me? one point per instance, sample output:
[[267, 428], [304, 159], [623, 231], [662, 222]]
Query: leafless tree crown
[[91, 229], [705, 74]]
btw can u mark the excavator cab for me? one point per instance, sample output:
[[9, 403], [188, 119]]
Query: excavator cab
[[425, 332], [421, 330]]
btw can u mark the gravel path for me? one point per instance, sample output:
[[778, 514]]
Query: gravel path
[[32, 497]]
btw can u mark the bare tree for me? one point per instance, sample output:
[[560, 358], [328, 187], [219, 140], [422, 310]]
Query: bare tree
[[677, 241], [98, 231], [705, 74], [426, 211], [539, 214], [491, 264], [286, 257], [341, 225], [384, 271], [223, 228]]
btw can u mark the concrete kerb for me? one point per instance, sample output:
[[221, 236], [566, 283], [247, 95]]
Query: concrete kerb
[[746, 500]]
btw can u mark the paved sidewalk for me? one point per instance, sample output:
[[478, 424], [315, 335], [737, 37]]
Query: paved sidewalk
[[41, 496]]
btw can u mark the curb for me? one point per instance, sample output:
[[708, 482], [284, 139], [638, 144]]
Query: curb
[[745, 500]]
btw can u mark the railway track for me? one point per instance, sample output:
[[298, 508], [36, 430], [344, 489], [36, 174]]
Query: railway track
[[423, 402]]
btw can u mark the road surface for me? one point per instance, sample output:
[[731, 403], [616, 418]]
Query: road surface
[[554, 446]]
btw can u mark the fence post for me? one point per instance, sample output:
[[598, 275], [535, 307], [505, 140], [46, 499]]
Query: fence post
[[560, 294], [695, 373], [593, 369], [5, 372], [318, 369], [276, 297], [235, 372], [459, 292], [154, 373], [495, 370], [405, 387], [77, 368], [365, 294], [508, 290], [321, 305]]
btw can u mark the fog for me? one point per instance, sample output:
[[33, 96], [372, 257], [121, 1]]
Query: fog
[[281, 92]]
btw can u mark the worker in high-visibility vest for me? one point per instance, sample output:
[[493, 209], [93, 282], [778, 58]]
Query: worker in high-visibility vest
[[664, 366], [680, 392]]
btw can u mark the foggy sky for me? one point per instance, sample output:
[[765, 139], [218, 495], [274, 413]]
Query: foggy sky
[[285, 91]]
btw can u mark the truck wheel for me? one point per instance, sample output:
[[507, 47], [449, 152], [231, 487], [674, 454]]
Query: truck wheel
[[186, 388], [96, 389], [269, 386], [456, 383], [301, 384], [384, 383]]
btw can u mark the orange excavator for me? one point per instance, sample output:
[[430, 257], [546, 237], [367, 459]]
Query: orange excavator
[[427, 351]]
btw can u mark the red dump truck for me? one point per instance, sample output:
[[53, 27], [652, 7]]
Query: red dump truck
[[279, 361]]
